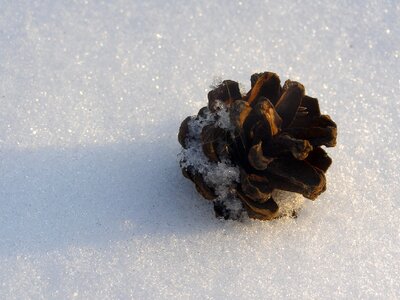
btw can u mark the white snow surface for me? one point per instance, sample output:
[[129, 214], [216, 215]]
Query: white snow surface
[[93, 204]]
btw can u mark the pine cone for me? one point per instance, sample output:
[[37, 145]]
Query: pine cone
[[242, 151]]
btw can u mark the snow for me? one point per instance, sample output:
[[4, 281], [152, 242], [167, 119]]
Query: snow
[[93, 204]]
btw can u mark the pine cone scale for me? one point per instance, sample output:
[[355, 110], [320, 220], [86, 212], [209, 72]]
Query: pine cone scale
[[289, 102], [298, 176], [264, 85], [319, 159], [266, 211]]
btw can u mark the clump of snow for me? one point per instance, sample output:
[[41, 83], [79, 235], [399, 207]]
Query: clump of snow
[[222, 176], [223, 120], [289, 203]]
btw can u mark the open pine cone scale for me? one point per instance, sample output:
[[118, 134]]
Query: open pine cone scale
[[274, 137]]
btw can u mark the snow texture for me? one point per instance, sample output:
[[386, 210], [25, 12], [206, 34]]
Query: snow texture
[[93, 204]]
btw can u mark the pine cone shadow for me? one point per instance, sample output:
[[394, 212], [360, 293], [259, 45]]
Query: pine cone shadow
[[58, 198]]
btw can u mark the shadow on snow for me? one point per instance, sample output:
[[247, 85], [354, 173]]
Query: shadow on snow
[[52, 199]]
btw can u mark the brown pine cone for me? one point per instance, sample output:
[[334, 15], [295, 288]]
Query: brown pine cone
[[244, 151]]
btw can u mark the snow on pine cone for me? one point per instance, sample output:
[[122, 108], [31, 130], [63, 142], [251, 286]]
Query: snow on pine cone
[[257, 152]]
